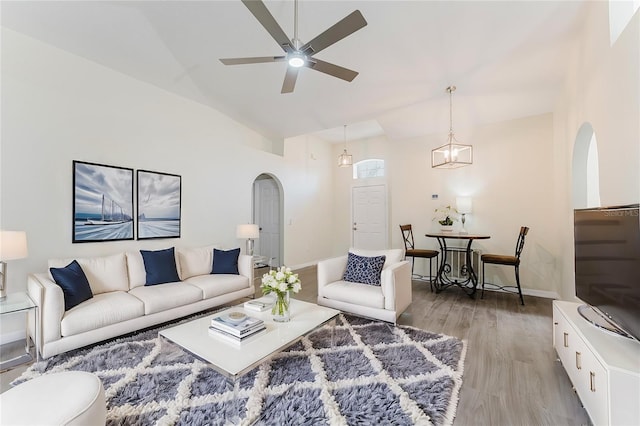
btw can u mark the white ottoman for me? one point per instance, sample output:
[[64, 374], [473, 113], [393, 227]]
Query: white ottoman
[[67, 398]]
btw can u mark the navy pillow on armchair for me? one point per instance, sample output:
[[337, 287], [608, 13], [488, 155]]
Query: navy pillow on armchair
[[160, 266], [74, 284], [364, 270], [225, 261]]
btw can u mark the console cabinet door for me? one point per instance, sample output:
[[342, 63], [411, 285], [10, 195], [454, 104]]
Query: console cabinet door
[[592, 385], [564, 336]]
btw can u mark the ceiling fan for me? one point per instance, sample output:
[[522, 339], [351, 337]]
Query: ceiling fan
[[299, 55]]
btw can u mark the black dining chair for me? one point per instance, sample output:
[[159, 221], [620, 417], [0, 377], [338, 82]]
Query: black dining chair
[[412, 252], [500, 259]]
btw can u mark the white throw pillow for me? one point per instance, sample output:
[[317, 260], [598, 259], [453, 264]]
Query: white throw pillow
[[105, 274], [135, 266], [195, 261]]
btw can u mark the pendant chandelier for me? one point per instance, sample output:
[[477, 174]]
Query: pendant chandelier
[[453, 154], [345, 159]]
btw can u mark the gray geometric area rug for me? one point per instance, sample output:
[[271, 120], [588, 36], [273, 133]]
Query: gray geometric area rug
[[374, 374]]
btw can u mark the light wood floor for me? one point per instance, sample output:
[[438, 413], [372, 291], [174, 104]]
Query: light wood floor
[[511, 373]]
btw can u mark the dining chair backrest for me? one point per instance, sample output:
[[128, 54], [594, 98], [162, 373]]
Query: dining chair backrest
[[407, 236], [520, 244]]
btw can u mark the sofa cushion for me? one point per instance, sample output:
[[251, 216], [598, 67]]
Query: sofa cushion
[[100, 311], [105, 274], [74, 284], [393, 255], [364, 270], [160, 266], [216, 285], [162, 297], [358, 294], [195, 261], [225, 261]]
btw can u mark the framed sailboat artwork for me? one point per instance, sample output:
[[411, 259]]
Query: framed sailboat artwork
[[159, 205], [102, 203]]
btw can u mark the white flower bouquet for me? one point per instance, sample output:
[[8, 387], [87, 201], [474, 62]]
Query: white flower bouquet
[[280, 281]]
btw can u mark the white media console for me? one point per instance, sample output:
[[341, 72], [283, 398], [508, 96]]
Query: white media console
[[603, 367]]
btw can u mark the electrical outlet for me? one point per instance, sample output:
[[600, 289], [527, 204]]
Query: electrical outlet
[[434, 196]]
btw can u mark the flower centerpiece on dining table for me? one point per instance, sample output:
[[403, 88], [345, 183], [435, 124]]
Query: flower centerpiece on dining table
[[446, 216], [281, 282]]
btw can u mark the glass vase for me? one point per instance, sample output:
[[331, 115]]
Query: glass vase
[[280, 310]]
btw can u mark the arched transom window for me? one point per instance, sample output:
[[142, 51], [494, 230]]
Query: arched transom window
[[372, 168]]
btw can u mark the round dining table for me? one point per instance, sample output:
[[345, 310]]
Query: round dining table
[[469, 281]]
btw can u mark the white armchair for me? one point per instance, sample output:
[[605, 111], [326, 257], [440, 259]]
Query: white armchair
[[385, 302]]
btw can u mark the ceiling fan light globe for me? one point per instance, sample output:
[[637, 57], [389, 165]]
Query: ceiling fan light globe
[[296, 61]]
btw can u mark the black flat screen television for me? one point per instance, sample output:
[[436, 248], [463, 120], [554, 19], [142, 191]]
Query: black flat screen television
[[607, 263]]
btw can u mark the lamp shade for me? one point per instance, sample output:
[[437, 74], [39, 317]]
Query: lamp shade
[[463, 204], [13, 245], [248, 230]]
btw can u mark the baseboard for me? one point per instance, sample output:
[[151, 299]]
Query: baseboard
[[304, 265], [12, 336]]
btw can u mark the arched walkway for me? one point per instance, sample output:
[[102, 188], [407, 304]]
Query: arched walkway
[[586, 175]]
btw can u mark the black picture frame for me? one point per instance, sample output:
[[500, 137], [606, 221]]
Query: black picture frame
[[159, 205], [102, 203]]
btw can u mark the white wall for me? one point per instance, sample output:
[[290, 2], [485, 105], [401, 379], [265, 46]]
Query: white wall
[[309, 204], [602, 87], [57, 107], [510, 184]]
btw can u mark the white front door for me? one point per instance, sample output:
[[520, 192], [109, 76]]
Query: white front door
[[267, 217], [369, 224]]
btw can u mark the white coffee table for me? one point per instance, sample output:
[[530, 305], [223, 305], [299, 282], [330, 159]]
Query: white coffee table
[[233, 360]]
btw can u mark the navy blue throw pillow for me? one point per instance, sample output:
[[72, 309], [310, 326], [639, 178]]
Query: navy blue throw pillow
[[160, 266], [225, 261], [74, 284], [364, 270]]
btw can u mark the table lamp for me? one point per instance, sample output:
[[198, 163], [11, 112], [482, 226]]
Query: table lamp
[[463, 205], [248, 231], [13, 245]]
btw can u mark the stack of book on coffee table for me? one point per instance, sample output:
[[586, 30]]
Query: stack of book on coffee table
[[235, 327]]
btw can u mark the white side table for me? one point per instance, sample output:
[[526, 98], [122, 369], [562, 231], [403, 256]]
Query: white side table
[[12, 304]]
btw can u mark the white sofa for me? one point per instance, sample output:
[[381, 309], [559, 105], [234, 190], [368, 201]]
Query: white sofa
[[385, 302], [121, 302]]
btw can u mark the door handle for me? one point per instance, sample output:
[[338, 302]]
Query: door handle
[[578, 361], [566, 340]]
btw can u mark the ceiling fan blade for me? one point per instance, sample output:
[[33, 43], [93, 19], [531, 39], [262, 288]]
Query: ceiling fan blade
[[290, 80], [331, 69], [262, 14], [348, 25], [256, 60]]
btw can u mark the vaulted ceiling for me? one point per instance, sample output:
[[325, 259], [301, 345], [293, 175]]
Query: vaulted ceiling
[[507, 58]]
